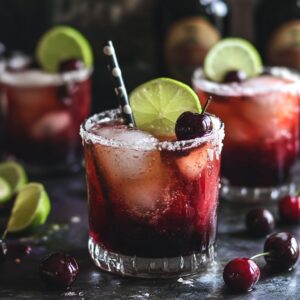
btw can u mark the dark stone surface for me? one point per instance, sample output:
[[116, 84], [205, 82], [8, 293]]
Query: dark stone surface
[[67, 230]]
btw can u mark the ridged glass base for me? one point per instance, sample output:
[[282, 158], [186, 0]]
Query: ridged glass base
[[255, 195], [150, 267]]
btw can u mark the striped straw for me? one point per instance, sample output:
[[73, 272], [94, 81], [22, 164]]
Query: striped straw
[[120, 90]]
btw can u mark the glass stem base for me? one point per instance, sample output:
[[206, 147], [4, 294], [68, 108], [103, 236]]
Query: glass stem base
[[250, 195], [142, 267]]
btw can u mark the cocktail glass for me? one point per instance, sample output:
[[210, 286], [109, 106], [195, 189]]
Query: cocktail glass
[[42, 114], [152, 204], [261, 117]]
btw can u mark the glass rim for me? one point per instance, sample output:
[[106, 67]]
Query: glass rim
[[216, 135], [9, 78], [236, 89]]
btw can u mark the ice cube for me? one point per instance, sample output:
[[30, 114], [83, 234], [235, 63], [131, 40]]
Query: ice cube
[[135, 174], [51, 125], [192, 165]]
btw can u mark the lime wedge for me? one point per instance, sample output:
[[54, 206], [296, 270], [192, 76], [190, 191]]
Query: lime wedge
[[232, 54], [5, 191], [157, 104], [31, 208], [61, 43], [14, 174]]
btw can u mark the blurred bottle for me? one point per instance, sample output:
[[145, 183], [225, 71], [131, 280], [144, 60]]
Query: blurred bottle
[[187, 30], [277, 32]]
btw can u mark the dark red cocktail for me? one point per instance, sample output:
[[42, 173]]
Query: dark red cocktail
[[42, 114], [261, 117], [152, 204]]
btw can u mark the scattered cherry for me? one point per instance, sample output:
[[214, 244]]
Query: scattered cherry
[[3, 251], [191, 125], [235, 76], [241, 274], [259, 222], [289, 209], [59, 270], [282, 249], [71, 65]]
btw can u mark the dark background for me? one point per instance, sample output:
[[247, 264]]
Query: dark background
[[131, 24]]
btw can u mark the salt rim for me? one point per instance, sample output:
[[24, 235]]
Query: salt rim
[[235, 89], [45, 78], [216, 136]]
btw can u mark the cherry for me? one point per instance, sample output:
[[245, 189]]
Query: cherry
[[289, 209], [71, 65], [241, 274], [259, 222], [59, 270], [191, 125], [235, 76], [282, 249]]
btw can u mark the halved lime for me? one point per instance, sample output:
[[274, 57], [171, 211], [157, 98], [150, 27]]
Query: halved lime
[[158, 103], [232, 54], [14, 174], [31, 208], [5, 191], [61, 43]]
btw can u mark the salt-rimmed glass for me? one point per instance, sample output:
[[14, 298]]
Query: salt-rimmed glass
[[152, 204], [42, 114], [262, 124]]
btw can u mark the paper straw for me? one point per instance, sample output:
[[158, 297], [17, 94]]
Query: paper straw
[[119, 86]]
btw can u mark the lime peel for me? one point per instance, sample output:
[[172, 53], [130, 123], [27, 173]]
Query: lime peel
[[61, 43], [158, 103], [232, 54], [31, 208]]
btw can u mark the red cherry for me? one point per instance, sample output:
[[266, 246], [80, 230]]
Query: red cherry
[[241, 274], [192, 125], [289, 209], [59, 270], [283, 251], [259, 222], [235, 76], [71, 65]]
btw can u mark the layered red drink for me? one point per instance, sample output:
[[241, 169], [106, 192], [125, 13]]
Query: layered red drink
[[261, 116], [152, 202], [42, 114]]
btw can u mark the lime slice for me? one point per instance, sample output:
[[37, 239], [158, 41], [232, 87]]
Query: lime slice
[[14, 174], [61, 43], [157, 104], [5, 191], [31, 208], [232, 54]]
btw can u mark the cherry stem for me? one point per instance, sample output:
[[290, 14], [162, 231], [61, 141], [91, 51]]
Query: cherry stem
[[209, 99], [260, 254]]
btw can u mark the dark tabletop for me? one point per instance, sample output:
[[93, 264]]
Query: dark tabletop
[[67, 230]]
